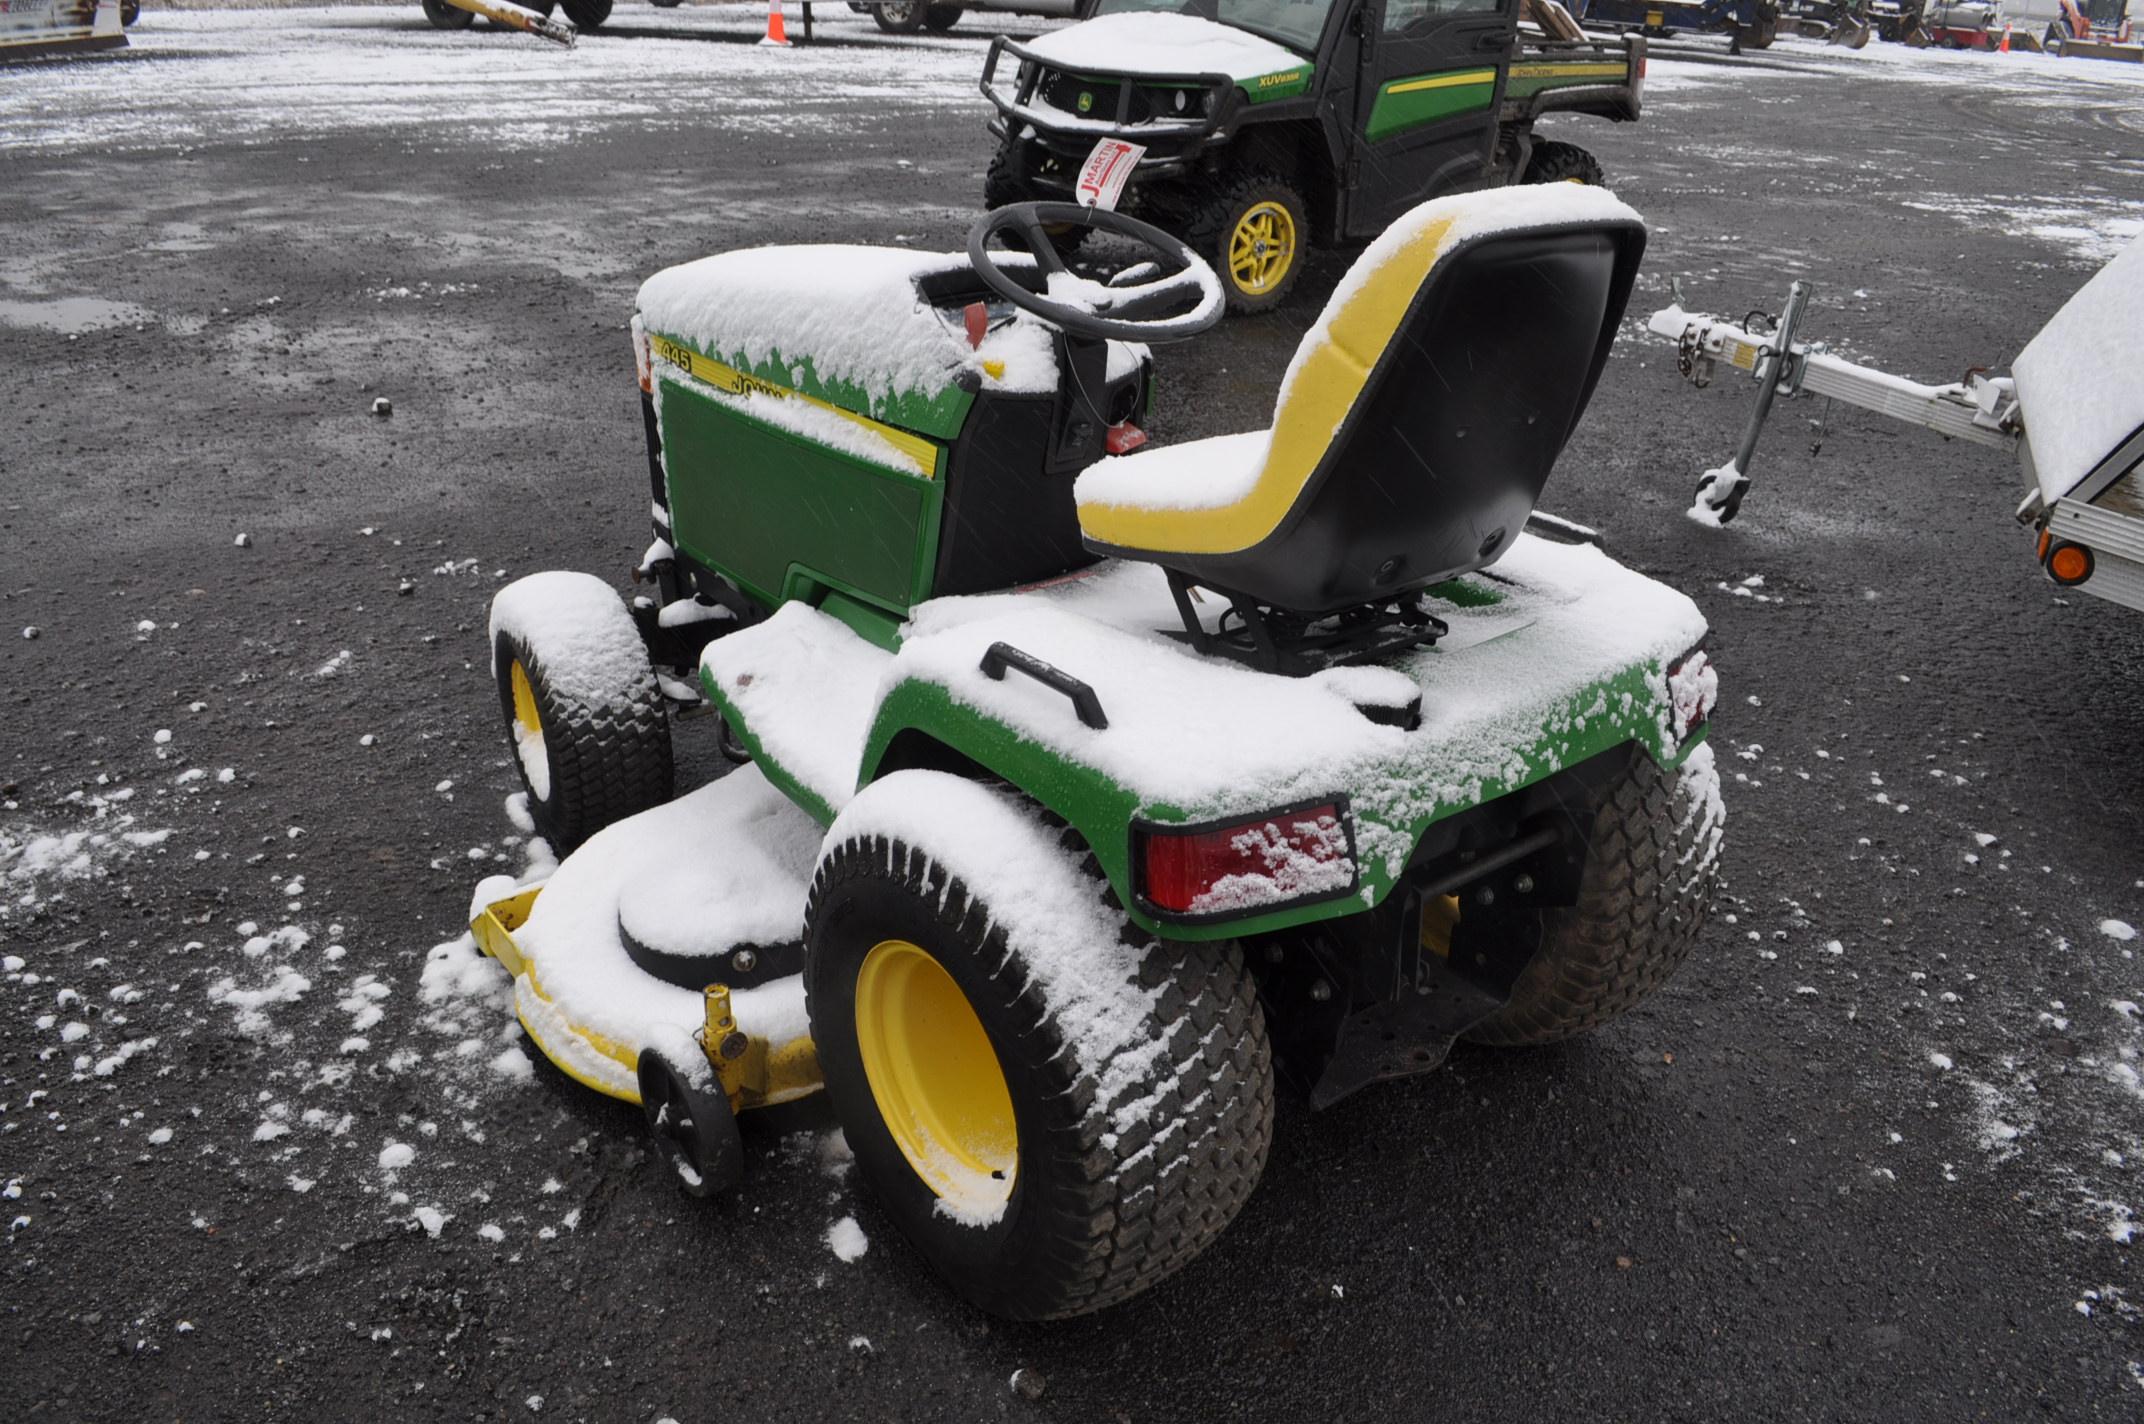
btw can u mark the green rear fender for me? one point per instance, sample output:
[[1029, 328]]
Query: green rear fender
[[920, 724]]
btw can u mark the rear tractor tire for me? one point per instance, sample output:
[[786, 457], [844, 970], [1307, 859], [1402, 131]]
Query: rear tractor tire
[[1056, 1110], [584, 716], [1649, 878], [586, 14], [1555, 162], [448, 17], [1255, 231]]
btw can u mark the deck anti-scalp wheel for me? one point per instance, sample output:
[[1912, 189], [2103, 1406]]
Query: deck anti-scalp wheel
[[1056, 1110], [584, 716]]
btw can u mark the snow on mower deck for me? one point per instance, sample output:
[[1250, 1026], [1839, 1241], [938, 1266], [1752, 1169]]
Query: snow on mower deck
[[717, 871]]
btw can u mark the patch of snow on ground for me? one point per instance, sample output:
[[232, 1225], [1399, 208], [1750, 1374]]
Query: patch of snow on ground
[[41, 864], [847, 1240]]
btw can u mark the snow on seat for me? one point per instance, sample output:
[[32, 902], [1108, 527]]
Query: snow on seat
[[801, 689], [1418, 420], [728, 864], [2077, 381]]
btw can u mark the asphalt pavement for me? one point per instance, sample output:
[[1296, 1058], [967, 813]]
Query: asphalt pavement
[[1873, 1153]]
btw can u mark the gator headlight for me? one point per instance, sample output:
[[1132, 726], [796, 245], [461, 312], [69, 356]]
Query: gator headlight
[[1246, 864]]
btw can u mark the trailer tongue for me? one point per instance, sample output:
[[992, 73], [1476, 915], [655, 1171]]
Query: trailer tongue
[[2072, 408]]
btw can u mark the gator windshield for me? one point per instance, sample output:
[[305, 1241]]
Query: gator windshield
[[1295, 23]]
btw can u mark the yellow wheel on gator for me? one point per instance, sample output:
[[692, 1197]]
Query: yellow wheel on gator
[[936, 1078], [1254, 231], [1056, 1110], [1261, 249]]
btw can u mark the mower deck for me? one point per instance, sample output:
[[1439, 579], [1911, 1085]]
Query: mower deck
[[723, 867]]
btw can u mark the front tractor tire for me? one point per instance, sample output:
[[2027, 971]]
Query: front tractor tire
[[1556, 162], [1057, 1111], [1255, 231], [447, 17], [1650, 874], [940, 18], [584, 716]]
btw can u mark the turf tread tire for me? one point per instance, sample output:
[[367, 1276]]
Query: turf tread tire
[[1649, 878], [609, 757], [1108, 1219]]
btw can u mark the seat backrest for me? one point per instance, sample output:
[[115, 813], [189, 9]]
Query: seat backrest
[[1423, 411]]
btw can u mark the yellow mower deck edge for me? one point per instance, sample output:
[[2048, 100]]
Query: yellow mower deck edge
[[771, 1073]]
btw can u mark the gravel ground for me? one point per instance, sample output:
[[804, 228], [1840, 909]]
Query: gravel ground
[[1873, 1152]]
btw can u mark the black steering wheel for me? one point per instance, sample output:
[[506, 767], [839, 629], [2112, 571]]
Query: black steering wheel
[[1179, 303]]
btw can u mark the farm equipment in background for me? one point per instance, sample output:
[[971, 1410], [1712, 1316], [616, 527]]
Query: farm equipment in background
[[1898, 21], [1749, 24], [46, 27], [2072, 409], [1963, 24], [534, 18], [1837, 22], [2099, 29], [1269, 131]]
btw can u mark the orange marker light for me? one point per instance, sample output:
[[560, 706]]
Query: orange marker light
[[2069, 564]]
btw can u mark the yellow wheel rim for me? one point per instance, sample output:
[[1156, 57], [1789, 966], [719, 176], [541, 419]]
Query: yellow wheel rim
[[936, 1079], [525, 714], [1261, 250]]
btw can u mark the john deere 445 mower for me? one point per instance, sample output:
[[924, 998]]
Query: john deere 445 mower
[[1084, 784]]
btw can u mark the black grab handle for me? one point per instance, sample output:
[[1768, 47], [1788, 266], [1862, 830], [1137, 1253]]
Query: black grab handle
[[1004, 655]]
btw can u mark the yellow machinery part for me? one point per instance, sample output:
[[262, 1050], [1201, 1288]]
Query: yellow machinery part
[[754, 1072]]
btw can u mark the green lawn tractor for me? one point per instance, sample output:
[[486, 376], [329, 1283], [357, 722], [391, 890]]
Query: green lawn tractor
[[1267, 126], [1082, 784]]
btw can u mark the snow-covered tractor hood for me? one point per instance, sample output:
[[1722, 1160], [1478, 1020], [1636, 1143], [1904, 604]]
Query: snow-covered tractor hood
[[1163, 45]]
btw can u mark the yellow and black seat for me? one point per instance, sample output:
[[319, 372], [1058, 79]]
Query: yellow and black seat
[[1415, 426]]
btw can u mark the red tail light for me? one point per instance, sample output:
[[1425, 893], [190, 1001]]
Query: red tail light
[[1693, 686], [1301, 853]]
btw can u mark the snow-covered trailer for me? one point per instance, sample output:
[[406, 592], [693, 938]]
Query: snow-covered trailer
[[41, 27], [2072, 408]]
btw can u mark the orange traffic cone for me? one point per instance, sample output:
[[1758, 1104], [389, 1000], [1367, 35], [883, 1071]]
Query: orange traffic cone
[[777, 32], [2005, 46]]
